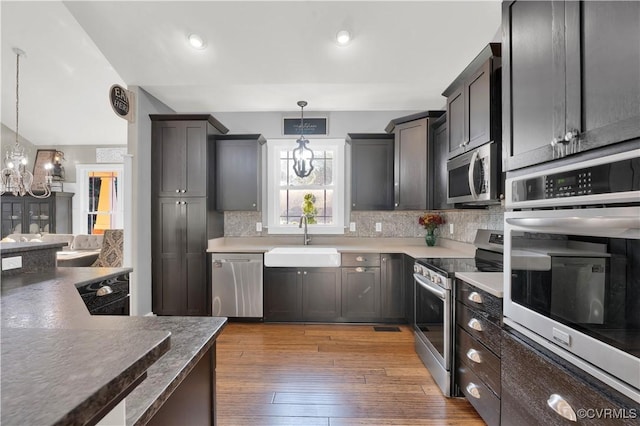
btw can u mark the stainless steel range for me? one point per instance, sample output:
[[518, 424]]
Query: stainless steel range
[[434, 303]]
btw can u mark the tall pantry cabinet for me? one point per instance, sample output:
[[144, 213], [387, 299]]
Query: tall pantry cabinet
[[183, 216]]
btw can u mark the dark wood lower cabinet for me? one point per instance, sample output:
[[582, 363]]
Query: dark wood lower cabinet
[[361, 294], [533, 379], [321, 299], [193, 402], [373, 292]]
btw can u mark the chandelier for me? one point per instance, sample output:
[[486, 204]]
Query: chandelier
[[302, 156], [16, 179]]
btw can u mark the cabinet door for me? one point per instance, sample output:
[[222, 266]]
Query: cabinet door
[[372, 174], [361, 293], [457, 126], [12, 216], [237, 175], [603, 71], [439, 165], [392, 286], [411, 165], [39, 216], [478, 106], [409, 287], [321, 294], [533, 80], [168, 251], [179, 158], [282, 294], [194, 233]]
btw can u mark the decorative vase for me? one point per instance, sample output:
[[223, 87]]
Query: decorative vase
[[430, 237]]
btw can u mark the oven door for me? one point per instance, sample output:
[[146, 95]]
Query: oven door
[[433, 318], [472, 177], [572, 283]]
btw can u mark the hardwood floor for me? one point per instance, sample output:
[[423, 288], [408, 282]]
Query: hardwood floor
[[329, 375]]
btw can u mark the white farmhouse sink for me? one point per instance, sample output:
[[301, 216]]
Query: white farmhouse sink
[[302, 256]]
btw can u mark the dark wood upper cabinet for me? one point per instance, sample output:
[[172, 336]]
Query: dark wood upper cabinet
[[439, 156], [412, 175], [571, 80], [474, 103], [238, 172], [183, 217], [371, 171]]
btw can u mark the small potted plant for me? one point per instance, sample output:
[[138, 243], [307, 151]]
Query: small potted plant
[[430, 222], [309, 209]]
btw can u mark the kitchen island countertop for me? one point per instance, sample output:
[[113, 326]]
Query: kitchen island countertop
[[44, 312]]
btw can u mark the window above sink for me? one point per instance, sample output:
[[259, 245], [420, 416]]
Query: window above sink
[[286, 191]]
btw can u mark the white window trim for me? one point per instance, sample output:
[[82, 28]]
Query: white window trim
[[274, 146], [82, 191]]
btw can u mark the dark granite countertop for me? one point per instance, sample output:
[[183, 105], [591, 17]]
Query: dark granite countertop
[[17, 247], [49, 306]]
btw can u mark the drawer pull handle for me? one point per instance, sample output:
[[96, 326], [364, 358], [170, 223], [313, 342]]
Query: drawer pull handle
[[360, 259], [474, 356], [474, 296], [562, 407], [474, 390], [475, 324], [359, 269]]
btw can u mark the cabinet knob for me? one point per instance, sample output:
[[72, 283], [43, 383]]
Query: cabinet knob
[[359, 269], [475, 297], [353, 205], [254, 204], [177, 203], [396, 204], [475, 324], [474, 356], [474, 390], [571, 135], [299, 272], [177, 191], [183, 190], [360, 259], [562, 407], [305, 272]]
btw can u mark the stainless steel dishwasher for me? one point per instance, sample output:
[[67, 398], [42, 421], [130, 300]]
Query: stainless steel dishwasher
[[236, 285]]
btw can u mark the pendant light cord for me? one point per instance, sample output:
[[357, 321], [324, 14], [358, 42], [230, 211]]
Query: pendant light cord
[[17, 92]]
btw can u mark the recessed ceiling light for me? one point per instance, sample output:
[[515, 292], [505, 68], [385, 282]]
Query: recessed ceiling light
[[196, 41], [343, 37]]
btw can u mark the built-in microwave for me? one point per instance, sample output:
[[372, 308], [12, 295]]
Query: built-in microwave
[[474, 177]]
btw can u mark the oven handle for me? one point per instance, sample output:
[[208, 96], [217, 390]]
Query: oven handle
[[435, 289], [472, 166], [628, 222]]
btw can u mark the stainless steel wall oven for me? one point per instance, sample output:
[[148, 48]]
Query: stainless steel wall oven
[[572, 274]]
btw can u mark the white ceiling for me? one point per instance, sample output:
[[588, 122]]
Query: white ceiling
[[260, 56]]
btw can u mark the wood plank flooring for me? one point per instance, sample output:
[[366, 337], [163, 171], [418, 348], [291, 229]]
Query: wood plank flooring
[[329, 375]]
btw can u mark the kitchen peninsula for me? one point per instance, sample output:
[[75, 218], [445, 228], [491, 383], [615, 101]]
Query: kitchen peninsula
[[80, 366]]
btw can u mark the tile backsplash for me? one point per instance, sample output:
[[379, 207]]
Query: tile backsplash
[[398, 224]]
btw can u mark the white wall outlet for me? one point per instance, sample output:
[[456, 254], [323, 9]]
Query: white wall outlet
[[451, 228], [11, 263], [258, 226], [352, 227], [378, 227]]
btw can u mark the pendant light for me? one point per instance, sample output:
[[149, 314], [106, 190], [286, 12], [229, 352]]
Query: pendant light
[[16, 179], [302, 155]]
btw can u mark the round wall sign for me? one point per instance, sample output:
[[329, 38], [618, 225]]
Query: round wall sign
[[119, 100]]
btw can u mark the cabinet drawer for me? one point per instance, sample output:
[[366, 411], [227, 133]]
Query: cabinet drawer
[[360, 259], [533, 379], [483, 400], [484, 363], [477, 324], [479, 299]]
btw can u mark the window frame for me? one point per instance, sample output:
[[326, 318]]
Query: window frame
[[274, 147]]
